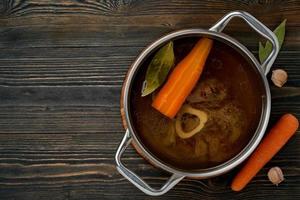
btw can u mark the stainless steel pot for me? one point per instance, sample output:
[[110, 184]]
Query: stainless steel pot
[[215, 33]]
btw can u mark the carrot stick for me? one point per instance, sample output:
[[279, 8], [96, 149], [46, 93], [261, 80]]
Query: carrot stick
[[183, 79], [283, 130]]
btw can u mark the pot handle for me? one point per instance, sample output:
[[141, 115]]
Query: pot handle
[[258, 27], [135, 179]]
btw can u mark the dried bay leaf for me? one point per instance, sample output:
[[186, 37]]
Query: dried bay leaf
[[264, 51], [158, 69]]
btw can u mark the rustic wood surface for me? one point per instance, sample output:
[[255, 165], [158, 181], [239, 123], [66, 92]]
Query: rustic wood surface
[[62, 64]]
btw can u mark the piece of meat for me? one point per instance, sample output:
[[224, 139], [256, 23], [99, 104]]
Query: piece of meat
[[232, 119], [209, 91], [222, 130], [201, 149]]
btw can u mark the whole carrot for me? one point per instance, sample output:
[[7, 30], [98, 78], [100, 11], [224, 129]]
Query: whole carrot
[[283, 130], [183, 79]]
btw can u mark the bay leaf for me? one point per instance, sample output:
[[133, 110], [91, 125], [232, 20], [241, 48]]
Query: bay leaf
[[158, 69], [264, 51]]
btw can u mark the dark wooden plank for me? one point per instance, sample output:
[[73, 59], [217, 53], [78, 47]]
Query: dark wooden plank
[[62, 64]]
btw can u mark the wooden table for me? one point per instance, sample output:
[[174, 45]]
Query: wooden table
[[62, 64]]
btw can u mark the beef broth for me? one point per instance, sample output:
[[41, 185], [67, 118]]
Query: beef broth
[[229, 91]]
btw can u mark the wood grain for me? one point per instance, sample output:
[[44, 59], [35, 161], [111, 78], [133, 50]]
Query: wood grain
[[62, 64]]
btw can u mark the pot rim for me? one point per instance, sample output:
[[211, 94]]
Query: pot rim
[[257, 136]]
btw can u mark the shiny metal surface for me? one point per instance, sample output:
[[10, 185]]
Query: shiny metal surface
[[214, 33], [258, 27], [136, 180]]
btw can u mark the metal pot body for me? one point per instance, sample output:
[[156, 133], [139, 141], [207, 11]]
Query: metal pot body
[[215, 32]]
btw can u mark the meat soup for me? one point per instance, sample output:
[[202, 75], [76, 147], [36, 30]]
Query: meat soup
[[228, 92]]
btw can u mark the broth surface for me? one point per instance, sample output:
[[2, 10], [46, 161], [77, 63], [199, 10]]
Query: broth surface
[[229, 91]]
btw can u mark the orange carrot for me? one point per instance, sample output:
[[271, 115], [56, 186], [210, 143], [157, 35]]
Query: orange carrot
[[283, 130], [183, 79]]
